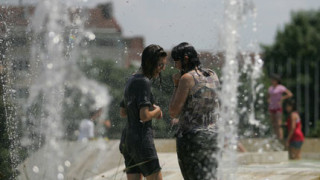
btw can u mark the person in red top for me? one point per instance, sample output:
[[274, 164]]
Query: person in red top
[[295, 136]]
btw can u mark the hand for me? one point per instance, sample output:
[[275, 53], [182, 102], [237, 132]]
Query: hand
[[157, 108], [175, 78], [174, 121], [107, 123], [160, 116]]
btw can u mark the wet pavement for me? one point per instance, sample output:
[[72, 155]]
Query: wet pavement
[[101, 160], [292, 170]]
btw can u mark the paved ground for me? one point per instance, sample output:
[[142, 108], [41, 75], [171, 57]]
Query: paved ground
[[101, 160], [271, 166], [293, 170]]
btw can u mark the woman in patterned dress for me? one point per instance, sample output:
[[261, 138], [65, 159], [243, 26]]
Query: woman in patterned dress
[[195, 104]]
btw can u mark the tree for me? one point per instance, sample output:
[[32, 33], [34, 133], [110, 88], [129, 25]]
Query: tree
[[5, 161], [295, 55], [114, 77]]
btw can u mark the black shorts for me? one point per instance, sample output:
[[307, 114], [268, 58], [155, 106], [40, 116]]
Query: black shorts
[[146, 168], [198, 155], [140, 159]]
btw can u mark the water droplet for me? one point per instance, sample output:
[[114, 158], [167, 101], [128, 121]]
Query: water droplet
[[67, 163], [60, 176], [268, 146], [35, 169], [233, 2], [234, 147], [51, 34], [56, 39], [254, 29], [60, 168], [50, 66], [90, 36]]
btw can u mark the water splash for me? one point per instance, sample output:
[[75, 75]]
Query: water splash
[[234, 15], [54, 70]]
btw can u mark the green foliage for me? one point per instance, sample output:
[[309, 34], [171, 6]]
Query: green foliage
[[296, 56], [114, 77], [163, 93], [5, 162], [316, 131]]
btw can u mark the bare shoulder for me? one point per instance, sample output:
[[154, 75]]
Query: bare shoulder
[[187, 80], [186, 77]]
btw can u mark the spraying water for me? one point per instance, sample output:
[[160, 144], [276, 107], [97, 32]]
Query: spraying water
[[54, 70], [54, 61], [234, 14]]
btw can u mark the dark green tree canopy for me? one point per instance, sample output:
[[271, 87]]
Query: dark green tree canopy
[[298, 40], [295, 55]]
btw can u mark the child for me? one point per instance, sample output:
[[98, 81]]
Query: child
[[276, 94], [295, 136]]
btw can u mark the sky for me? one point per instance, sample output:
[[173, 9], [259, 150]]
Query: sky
[[199, 22]]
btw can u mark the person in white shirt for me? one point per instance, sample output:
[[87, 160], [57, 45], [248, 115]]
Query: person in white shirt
[[86, 127]]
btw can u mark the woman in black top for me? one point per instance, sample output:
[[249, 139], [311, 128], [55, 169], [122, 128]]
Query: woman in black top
[[138, 106]]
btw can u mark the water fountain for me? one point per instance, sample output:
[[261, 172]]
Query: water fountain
[[235, 13], [55, 70], [268, 152]]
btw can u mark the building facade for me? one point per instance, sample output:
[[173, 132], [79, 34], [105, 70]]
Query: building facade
[[16, 41]]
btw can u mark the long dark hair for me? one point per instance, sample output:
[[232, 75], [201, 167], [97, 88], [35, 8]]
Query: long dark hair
[[179, 52], [150, 57], [276, 77], [292, 103]]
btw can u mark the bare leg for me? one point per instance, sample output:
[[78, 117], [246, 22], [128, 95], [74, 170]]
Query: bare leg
[[273, 123], [278, 127], [291, 153], [134, 176], [241, 148], [155, 176], [296, 153]]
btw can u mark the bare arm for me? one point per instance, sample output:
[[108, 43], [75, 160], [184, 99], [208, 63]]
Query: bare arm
[[147, 115], [288, 94], [293, 119], [123, 112], [180, 95]]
